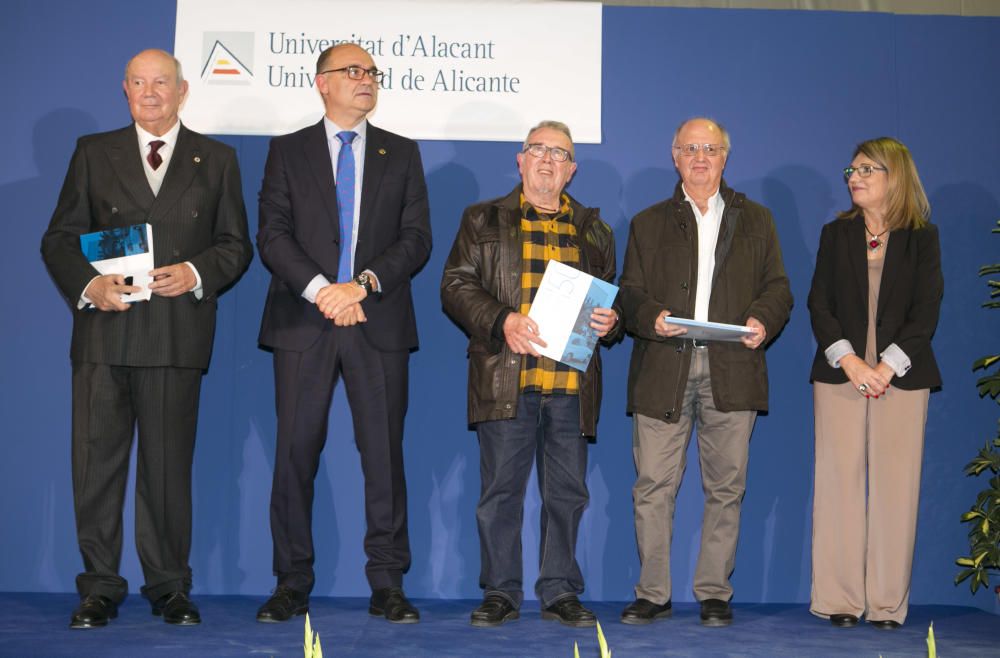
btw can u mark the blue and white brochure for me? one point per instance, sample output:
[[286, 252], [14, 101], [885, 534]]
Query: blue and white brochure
[[125, 250], [562, 308]]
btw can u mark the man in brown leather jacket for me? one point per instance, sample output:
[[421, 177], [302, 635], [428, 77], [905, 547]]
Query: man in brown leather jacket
[[709, 254], [520, 402]]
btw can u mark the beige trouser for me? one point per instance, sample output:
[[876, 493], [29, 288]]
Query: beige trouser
[[660, 451], [862, 549]]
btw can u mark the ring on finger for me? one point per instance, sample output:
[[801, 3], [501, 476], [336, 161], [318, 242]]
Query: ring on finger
[[863, 388]]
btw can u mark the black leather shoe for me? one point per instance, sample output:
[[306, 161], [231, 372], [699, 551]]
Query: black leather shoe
[[391, 603], [176, 608], [94, 611], [284, 604], [494, 611], [716, 612], [569, 611], [843, 621], [885, 624], [644, 611]]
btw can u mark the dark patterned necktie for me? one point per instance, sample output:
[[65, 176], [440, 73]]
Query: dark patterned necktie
[[154, 158]]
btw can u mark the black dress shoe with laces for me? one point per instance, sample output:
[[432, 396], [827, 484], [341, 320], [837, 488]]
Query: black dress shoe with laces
[[494, 611], [716, 612], [284, 604], [178, 609], [885, 624], [569, 611], [94, 611], [843, 621], [391, 603], [644, 611]]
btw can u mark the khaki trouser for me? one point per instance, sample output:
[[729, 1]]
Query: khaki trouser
[[660, 451], [862, 548]]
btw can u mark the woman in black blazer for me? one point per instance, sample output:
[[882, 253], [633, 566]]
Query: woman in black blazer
[[874, 305]]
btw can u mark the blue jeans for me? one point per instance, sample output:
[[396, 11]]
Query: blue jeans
[[546, 428]]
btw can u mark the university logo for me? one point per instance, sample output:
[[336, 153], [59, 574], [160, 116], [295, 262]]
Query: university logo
[[227, 57]]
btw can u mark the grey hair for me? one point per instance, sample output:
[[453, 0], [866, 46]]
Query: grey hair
[[554, 125], [722, 131], [177, 65]]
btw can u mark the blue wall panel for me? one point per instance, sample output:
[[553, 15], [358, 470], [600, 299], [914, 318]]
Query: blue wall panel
[[796, 89]]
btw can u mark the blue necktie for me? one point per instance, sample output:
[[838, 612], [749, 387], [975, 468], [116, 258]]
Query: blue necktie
[[345, 203]]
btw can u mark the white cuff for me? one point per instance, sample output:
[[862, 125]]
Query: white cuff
[[838, 351], [896, 359], [198, 292], [84, 300], [318, 283]]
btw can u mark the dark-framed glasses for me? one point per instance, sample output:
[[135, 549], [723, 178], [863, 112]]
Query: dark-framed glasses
[[710, 150], [556, 153], [864, 171], [358, 73]]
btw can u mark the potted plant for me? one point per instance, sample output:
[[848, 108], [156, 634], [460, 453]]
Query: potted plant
[[984, 516]]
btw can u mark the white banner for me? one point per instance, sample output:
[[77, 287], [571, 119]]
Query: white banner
[[454, 70]]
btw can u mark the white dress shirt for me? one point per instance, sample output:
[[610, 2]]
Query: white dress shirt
[[358, 149], [708, 236]]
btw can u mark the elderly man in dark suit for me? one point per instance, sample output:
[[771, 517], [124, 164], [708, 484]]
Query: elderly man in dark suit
[[344, 225], [141, 364]]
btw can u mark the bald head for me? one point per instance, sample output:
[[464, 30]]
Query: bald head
[[700, 167], [155, 89]]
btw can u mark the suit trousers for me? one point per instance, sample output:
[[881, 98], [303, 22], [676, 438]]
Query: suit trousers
[[377, 390], [867, 488], [108, 403], [546, 430], [660, 452]]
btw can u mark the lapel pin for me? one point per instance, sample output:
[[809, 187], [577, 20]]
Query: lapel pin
[[381, 151], [197, 159]]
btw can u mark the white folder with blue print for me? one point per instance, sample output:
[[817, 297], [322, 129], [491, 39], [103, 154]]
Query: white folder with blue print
[[562, 306]]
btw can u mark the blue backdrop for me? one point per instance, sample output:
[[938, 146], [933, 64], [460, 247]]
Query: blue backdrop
[[796, 89]]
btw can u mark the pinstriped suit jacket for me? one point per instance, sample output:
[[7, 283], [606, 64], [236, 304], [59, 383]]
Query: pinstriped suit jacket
[[198, 216]]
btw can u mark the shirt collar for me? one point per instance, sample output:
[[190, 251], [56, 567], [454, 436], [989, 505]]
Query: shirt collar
[[332, 129], [714, 201], [169, 138]]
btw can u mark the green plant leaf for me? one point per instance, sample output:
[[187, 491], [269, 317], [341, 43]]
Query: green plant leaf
[[985, 362]]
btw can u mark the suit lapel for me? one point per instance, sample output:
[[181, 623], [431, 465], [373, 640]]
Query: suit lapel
[[856, 253], [376, 156], [895, 248], [317, 153], [126, 160], [184, 164]]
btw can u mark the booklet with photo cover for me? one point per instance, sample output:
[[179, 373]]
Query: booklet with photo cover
[[562, 308], [125, 250]]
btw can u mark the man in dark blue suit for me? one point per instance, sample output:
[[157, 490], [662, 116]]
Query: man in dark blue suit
[[344, 225], [141, 364]]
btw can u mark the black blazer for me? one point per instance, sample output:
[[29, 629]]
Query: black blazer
[[198, 216], [299, 235], [909, 300]]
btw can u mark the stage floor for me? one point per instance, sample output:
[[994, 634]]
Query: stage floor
[[38, 625]]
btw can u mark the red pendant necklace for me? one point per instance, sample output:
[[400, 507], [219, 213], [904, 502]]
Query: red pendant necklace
[[875, 242]]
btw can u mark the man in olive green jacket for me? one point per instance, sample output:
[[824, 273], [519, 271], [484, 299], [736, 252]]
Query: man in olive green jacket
[[710, 254]]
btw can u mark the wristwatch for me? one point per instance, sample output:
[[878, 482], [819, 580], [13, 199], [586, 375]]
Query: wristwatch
[[365, 281]]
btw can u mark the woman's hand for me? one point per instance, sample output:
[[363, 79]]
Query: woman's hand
[[870, 382]]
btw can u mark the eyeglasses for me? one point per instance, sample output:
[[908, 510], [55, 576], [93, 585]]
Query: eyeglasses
[[539, 151], [864, 171], [358, 73], [710, 150]]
